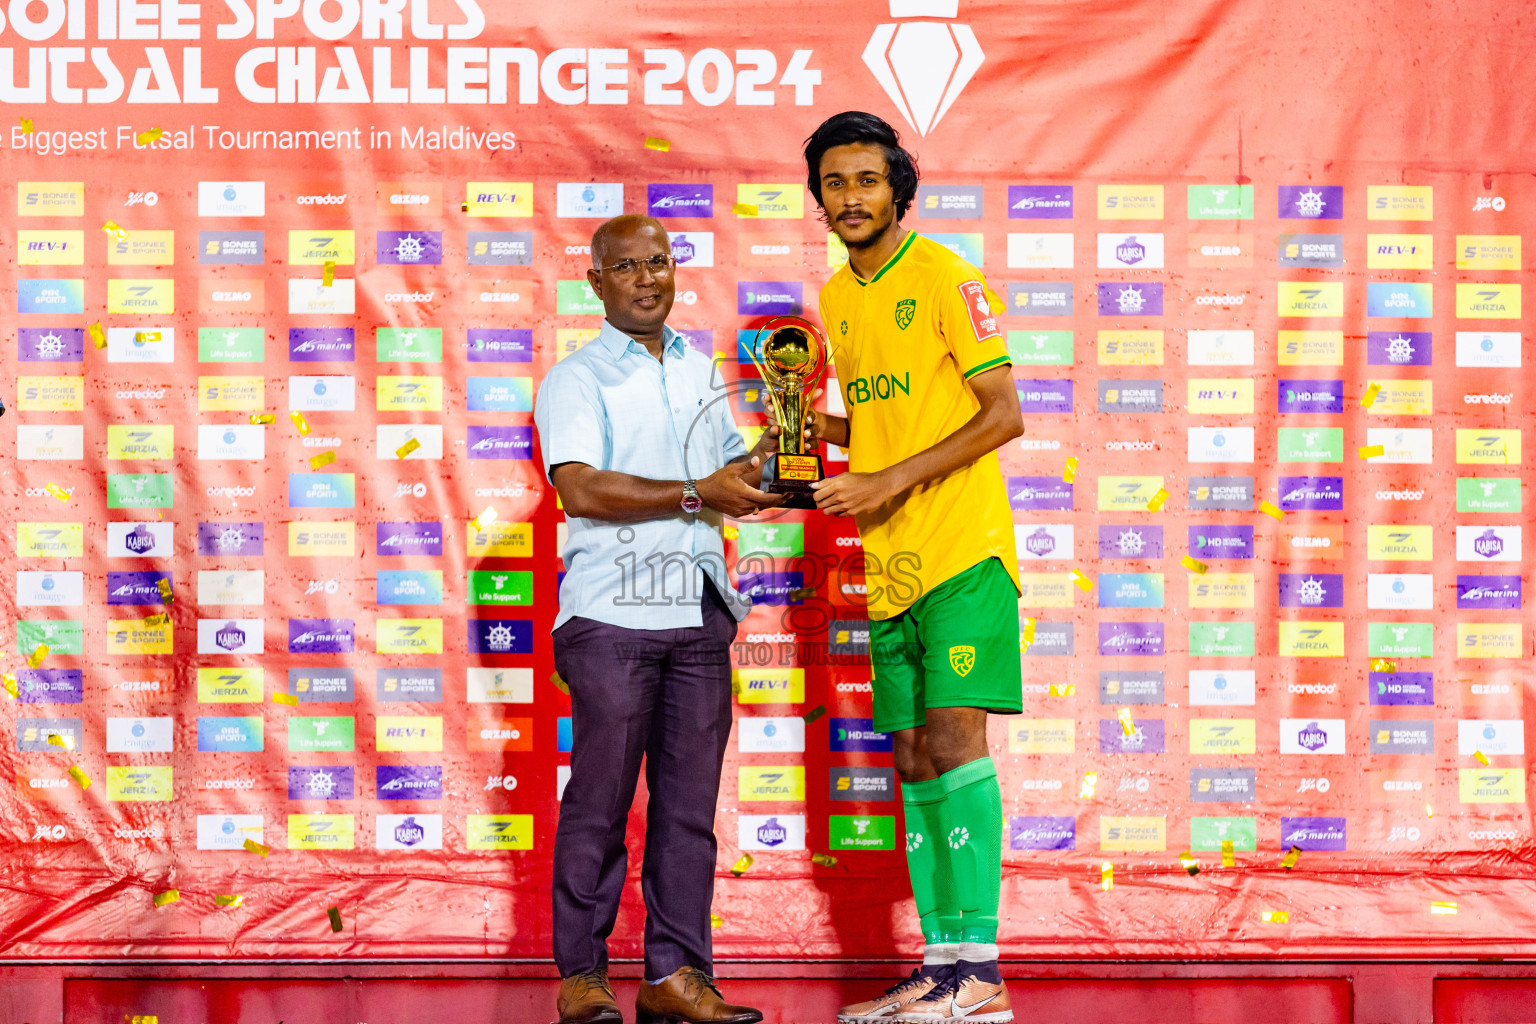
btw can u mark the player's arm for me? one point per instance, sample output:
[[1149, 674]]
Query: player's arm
[[995, 423]]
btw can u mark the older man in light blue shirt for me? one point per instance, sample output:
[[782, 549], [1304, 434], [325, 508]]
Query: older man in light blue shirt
[[638, 440]]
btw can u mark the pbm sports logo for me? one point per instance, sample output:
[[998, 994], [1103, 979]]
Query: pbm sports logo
[[923, 65]]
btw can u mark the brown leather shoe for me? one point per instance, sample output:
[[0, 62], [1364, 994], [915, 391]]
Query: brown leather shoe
[[587, 999], [689, 996]]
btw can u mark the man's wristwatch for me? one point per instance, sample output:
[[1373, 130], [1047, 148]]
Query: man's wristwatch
[[691, 501]]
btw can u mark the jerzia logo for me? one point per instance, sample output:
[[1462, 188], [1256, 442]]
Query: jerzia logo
[[923, 65]]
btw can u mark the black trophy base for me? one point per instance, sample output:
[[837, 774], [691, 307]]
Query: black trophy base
[[793, 476]]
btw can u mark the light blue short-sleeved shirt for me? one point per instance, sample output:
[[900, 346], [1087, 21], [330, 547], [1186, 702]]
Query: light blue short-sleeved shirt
[[614, 406]]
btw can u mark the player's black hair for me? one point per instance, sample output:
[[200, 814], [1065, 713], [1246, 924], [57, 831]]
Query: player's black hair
[[854, 126]]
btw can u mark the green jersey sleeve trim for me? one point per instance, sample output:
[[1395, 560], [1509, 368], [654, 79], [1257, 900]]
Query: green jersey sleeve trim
[[989, 364]]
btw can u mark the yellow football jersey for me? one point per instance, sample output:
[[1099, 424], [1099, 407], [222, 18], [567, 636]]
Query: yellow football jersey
[[904, 343]]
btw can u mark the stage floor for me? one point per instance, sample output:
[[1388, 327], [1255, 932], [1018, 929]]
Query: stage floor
[[506, 993]]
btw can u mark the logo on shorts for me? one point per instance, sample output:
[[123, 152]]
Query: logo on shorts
[[905, 310], [962, 659]]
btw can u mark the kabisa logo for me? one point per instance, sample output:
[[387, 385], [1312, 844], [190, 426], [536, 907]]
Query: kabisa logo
[[408, 833], [923, 65], [1313, 737], [771, 833]]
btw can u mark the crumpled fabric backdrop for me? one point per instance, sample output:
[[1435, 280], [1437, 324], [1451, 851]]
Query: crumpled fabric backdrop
[[1270, 208]]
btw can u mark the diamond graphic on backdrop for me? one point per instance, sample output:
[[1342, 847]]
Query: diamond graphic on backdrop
[[923, 65], [1130, 300], [683, 249], [139, 540], [1313, 737], [1130, 251], [1310, 204]]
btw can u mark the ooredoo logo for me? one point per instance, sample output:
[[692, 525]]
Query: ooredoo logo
[[923, 65]]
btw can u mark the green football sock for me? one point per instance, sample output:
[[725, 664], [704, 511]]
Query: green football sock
[[973, 832], [929, 861]]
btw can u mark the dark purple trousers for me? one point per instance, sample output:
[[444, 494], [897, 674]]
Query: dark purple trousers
[[663, 695]]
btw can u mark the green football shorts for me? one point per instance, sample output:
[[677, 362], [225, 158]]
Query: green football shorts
[[957, 647]]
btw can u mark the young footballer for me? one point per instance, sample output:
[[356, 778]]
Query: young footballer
[[930, 397]]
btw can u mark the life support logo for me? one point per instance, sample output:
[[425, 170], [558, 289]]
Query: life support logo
[[923, 65]]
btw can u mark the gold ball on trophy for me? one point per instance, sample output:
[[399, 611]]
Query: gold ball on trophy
[[788, 352]]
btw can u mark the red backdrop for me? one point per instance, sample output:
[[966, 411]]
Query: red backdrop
[[1407, 122]]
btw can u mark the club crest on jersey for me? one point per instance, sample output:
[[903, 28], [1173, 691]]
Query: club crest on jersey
[[962, 659], [906, 309]]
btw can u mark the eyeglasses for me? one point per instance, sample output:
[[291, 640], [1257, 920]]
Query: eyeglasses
[[661, 263]]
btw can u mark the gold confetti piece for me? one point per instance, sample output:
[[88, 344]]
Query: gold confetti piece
[[334, 913], [1383, 665], [731, 533], [1275, 916], [115, 230], [169, 896], [142, 1018], [826, 860], [328, 274], [1194, 565], [55, 490], [157, 620], [801, 593], [164, 586], [715, 920], [1429, 810], [1370, 451], [300, 422], [233, 899], [1442, 907], [252, 846], [98, 336], [285, 698], [36, 657], [560, 684], [146, 337], [264, 419], [742, 865], [1107, 876], [1274, 512], [78, 774], [1291, 857], [10, 685], [1228, 854], [1069, 471], [1090, 783], [1027, 633], [145, 138], [1062, 690], [1127, 723], [407, 448], [323, 459], [1369, 398], [658, 144], [464, 206], [1083, 582], [1190, 864], [1482, 758], [745, 209], [486, 517], [59, 739], [813, 714], [1157, 500], [26, 126]]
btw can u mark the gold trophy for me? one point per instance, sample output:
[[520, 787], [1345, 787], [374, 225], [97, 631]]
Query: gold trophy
[[790, 352]]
